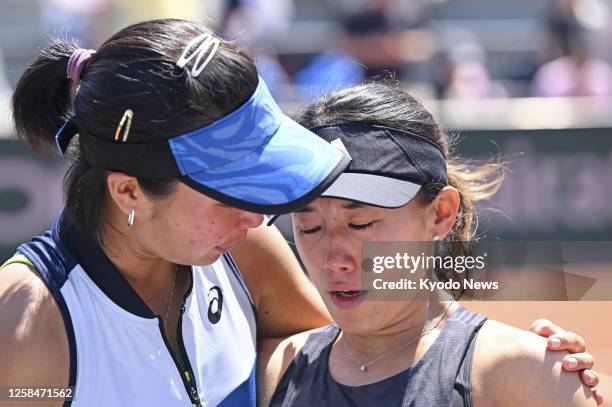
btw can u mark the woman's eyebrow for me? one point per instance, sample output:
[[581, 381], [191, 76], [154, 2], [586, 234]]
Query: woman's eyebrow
[[348, 205], [303, 210], [353, 205]]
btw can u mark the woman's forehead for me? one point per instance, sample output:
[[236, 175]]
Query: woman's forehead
[[326, 203]]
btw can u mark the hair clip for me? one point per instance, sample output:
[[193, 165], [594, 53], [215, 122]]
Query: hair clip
[[128, 115], [209, 43]]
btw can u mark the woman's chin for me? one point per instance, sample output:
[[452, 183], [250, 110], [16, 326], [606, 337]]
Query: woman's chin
[[207, 259], [358, 321], [359, 326]]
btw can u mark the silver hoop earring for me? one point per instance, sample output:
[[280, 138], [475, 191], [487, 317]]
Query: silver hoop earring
[[131, 217]]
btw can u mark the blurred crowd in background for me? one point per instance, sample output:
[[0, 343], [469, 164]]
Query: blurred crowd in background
[[530, 80], [440, 49]]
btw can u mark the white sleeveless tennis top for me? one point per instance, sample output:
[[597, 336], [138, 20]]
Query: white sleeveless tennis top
[[119, 354]]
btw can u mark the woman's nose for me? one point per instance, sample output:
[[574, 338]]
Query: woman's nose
[[339, 257], [250, 220]]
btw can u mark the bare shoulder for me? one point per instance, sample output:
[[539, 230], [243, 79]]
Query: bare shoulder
[[514, 367], [33, 340], [274, 357]]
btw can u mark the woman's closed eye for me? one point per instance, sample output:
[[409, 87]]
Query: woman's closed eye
[[362, 226], [310, 231], [354, 226]]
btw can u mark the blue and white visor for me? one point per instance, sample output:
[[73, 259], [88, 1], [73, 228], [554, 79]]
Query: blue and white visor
[[255, 158]]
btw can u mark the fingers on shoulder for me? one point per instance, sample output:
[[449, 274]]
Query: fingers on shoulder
[[544, 327], [520, 360]]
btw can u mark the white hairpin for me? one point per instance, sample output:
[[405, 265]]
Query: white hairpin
[[209, 43]]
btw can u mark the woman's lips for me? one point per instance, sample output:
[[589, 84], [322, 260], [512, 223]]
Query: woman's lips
[[347, 299]]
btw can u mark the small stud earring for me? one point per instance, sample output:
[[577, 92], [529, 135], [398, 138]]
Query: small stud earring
[[131, 217], [436, 238]]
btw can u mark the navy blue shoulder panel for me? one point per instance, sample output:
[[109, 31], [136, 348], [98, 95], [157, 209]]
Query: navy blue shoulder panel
[[50, 257], [54, 262]]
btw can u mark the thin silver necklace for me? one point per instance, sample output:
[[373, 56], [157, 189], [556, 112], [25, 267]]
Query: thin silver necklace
[[170, 298], [364, 366]]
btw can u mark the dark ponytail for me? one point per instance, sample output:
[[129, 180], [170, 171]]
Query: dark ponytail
[[134, 69], [42, 100]]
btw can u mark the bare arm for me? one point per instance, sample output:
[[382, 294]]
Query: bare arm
[[273, 358], [33, 341], [513, 367], [286, 300]]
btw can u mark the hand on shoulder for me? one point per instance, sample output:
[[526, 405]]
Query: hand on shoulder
[[514, 367]]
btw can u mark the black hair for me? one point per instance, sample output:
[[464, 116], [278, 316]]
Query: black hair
[[135, 69]]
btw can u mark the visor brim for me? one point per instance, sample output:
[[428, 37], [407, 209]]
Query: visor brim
[[289, 172], [371, 189]]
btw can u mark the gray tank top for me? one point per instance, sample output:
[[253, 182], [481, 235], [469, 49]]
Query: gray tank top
[[441, 378]]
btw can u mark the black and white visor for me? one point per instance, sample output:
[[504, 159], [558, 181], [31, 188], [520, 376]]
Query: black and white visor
[[388, 166]]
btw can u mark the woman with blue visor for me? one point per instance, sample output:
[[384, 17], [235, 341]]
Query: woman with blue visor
[[176, 151]]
